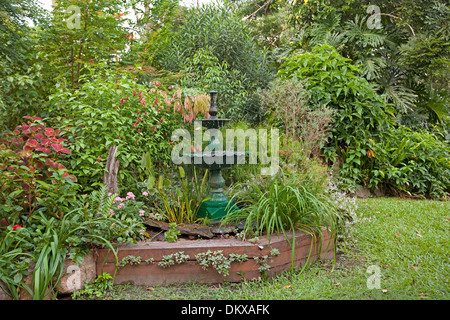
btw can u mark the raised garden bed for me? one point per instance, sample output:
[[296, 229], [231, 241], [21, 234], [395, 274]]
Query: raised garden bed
[[154, 263]]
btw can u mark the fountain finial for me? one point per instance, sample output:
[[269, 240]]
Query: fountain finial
[[212, 108]]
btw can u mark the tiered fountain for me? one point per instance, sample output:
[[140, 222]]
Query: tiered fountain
[[214, 158]]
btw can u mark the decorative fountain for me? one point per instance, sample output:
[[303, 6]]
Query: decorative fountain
[[214, 158]]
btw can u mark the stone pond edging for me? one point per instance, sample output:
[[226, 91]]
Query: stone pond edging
[[146, 259]]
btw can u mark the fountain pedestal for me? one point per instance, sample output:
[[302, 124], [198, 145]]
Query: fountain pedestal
[[216, 207], [215, 160]]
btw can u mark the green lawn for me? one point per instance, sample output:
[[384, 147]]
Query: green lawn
[[408, 240]]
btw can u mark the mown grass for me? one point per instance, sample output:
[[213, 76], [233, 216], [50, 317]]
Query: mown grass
[[407, 239]]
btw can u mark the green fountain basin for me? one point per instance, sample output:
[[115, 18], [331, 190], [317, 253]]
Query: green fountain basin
[[219, 205], [216, 160]]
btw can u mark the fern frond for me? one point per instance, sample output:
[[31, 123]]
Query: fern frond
[[99, 202]]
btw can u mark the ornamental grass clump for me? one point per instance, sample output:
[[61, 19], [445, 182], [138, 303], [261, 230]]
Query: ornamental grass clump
[[281, 206]]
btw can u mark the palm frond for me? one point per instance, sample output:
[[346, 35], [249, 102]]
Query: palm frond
[[371, 66], [394, 88], [359, 34], [402, 97], [327, 32]]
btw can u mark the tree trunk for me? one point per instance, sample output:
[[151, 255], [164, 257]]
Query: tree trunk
[[112, 169]]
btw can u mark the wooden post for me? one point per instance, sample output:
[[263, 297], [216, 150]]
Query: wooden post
[[112, 169]]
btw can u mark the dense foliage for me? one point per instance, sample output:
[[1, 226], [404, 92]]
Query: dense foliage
[[358, 89], [113, 108], [216, 51]]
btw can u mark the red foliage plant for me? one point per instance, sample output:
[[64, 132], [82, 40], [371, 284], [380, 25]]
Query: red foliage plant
[[28, 159]]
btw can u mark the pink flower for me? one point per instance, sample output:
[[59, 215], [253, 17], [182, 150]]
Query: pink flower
[[120, 205], [109, 194], [92, 61], [145, 193], [141, 213], [111, 211], [117, 199], [130, 195]]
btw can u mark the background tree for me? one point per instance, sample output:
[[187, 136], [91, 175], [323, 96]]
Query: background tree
[[22, 89], [219, 31], [91, 31]]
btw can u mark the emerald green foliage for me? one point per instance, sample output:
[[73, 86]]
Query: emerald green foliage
[[22, 81], [285, 204], [373, 149], [361, 114], [22, 85], [370, 99], [213, 45], [178, 204], [96, 33], [172, 234], [13, 25], [112, 108], [97, 289], [413, 161], [425, 61], [205, 71], [402, 49], [119, 219]]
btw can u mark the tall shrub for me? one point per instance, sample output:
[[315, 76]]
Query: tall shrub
[[361, 114], [112, 108], [218, 33]]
